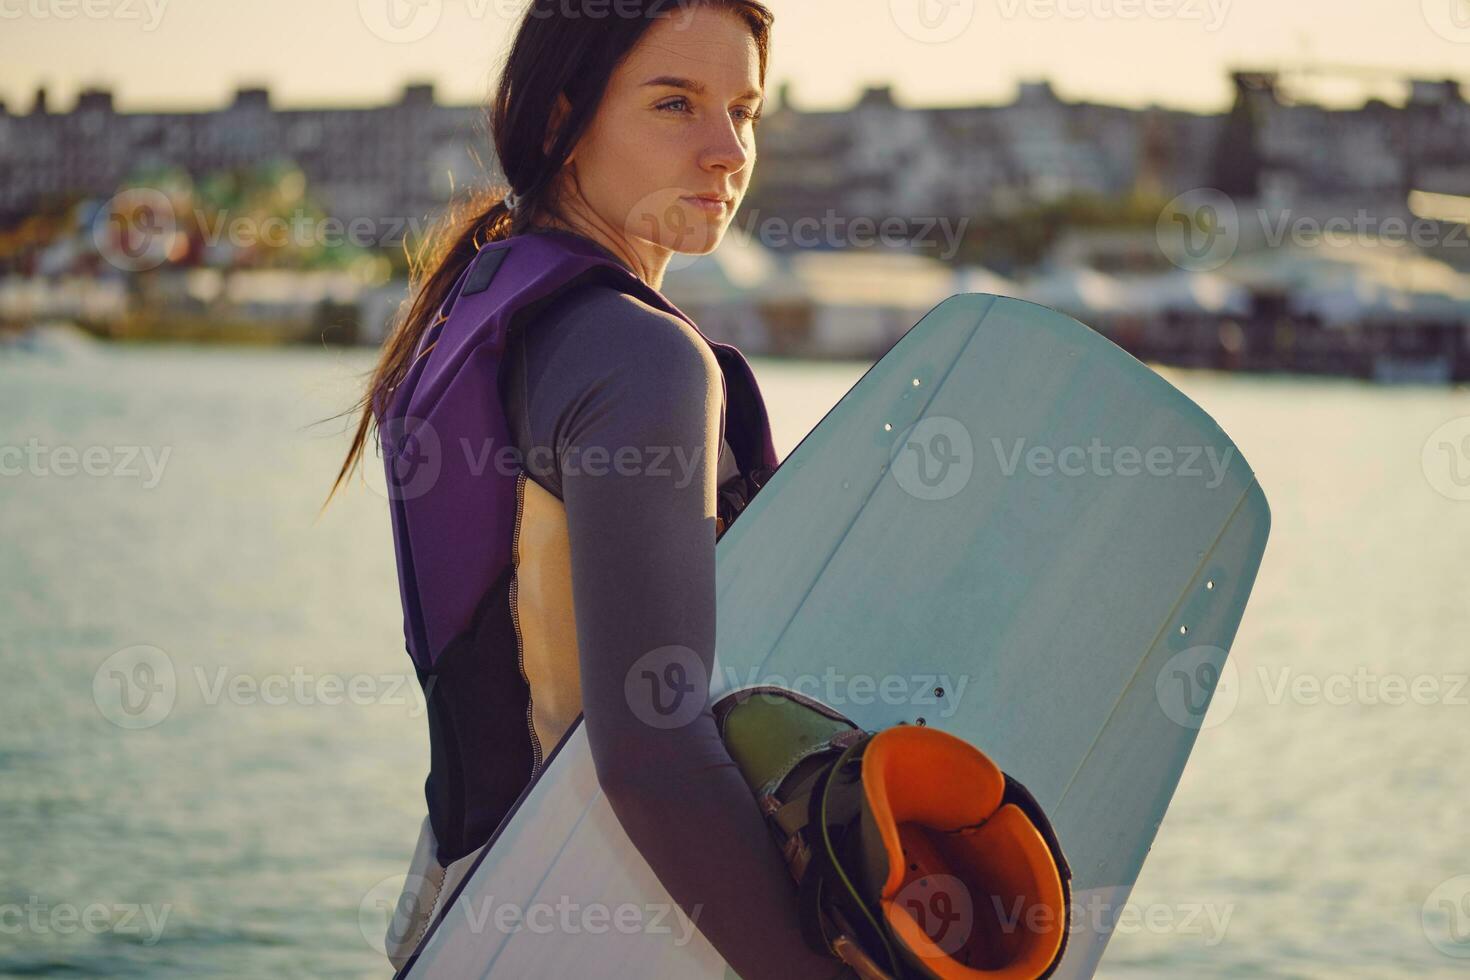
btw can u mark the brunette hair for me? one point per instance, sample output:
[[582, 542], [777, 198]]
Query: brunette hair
[[562, 47]]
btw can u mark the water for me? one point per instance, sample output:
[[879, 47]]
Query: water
[[249, 830]]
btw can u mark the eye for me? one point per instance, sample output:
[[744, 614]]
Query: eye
[[744, 113]]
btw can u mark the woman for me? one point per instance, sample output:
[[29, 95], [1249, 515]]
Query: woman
[[627, 134]]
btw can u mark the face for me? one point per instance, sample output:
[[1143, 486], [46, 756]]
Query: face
[[677, 122]]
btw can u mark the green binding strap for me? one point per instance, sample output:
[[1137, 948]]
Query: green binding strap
[[836, 817], [787, 747]]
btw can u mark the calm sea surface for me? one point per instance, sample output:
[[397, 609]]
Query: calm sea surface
[[239, 821]]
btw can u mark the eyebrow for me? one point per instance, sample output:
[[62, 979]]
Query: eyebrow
[[698, 88]]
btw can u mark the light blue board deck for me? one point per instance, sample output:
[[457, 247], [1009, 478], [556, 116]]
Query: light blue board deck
[[1055, 596]]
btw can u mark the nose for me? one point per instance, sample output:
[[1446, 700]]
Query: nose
[[727, 148]]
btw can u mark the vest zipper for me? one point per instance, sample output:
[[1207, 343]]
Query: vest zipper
[[515, 618]]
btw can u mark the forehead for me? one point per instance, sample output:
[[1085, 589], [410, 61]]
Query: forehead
[[707, 46]]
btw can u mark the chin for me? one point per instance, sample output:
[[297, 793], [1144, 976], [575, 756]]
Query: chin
[[705, 244], [694, 231]]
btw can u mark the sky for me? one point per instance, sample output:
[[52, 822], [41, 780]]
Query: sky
[[162, 54]]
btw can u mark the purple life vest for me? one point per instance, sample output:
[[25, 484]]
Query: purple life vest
[[452, 472]]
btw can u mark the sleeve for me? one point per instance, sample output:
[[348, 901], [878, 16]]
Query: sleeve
[[635, 395]]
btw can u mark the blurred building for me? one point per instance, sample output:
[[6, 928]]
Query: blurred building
[[1035, 172], [876, 158], [381, 162], [882, 158], [1280, 148]]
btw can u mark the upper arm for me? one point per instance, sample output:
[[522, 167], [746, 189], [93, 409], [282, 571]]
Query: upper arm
[[634, 442], [649, 388]]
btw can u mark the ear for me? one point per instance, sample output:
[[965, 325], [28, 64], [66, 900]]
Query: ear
[[560, 110]]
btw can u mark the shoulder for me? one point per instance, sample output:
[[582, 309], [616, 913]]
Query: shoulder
[[604, 365], [619, 333]]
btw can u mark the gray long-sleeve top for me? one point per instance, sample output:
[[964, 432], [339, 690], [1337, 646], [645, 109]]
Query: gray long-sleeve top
[[603, 369]]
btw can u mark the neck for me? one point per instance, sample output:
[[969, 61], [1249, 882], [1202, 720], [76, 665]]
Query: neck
[[645, 260]]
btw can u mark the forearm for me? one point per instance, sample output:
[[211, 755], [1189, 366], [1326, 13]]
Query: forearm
[[694, 820]]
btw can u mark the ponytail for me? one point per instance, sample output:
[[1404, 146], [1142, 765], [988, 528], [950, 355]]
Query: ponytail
[[434, 267]]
